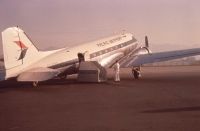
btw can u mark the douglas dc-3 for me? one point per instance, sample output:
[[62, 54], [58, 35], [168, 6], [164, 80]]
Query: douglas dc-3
[[25, 63]]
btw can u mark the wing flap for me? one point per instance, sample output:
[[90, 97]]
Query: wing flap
[[160, 56], [38, 74]]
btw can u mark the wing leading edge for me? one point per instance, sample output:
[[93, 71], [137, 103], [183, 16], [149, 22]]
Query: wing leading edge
[[138, 60]]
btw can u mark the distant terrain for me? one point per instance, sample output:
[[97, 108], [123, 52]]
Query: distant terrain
[[1, 65]]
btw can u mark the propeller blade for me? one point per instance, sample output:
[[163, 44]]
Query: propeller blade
[[146, 42]]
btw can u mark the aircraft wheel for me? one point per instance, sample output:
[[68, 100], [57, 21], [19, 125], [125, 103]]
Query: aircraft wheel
[[136, 73], [63, 77], [35, 84]]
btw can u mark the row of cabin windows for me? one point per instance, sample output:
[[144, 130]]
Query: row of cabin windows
[[111, 49]]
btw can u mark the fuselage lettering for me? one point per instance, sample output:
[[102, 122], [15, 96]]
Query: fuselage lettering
[[109, 42]]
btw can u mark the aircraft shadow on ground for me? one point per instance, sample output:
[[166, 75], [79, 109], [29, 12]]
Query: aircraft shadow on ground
[[53, 82], [15, 84], [173, 110]]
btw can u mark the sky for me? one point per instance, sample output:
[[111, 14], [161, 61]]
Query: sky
[[51, 24]]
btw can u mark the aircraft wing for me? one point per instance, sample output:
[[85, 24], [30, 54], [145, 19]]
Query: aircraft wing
[[38, 74], [138, 60]]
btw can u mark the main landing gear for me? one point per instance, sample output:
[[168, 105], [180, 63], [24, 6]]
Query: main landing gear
[[136, 72], [63, 77], [35, 84]]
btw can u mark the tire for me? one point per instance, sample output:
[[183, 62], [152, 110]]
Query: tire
[[136, 73], [35, 84]]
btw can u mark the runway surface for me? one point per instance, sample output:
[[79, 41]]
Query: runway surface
[[165, 99]]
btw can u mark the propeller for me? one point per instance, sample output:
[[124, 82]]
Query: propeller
[[146, 42], [146, 47]]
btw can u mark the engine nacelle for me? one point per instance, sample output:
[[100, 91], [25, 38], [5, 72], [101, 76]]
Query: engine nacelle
[[143, 50]]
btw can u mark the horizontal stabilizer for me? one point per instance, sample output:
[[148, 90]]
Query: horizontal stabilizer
[[38, 74]]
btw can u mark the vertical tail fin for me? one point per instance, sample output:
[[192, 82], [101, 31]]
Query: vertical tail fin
[[17, 48], [18, 51]]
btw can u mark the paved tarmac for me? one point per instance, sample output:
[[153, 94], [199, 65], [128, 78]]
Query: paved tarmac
[[165, 99]]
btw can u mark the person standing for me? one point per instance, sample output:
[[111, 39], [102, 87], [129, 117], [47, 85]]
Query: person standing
[[117, 69]]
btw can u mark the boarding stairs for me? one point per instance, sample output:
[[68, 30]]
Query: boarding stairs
[[91, 71]]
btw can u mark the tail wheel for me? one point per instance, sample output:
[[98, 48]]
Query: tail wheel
[[136, 73], [63, 77], [35, 84]]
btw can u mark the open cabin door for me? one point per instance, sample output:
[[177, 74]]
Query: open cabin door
[[83, 56]]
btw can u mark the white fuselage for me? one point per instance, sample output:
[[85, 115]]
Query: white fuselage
[[105, 51], [102, 51]]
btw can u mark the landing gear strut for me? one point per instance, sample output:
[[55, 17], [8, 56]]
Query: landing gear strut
[[136, 72], [63, 77]]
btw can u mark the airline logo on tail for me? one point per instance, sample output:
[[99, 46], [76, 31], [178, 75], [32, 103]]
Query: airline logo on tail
[[23, 49]]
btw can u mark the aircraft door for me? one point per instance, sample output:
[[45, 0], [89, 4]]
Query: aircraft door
[[81, 57]]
